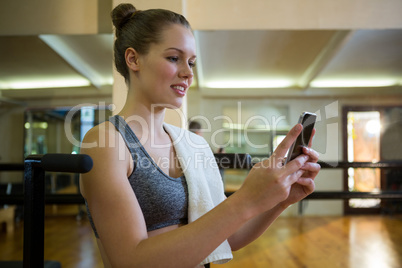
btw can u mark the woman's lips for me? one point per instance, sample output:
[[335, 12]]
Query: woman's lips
[[180, 89]]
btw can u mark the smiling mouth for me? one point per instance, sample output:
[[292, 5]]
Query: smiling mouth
[[180, 88]]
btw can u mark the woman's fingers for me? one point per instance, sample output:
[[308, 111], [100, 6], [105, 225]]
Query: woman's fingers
[[308, 184], [284, 146], [295, 166], [302, 166], [311, 153], [311, 167], [310, 170]]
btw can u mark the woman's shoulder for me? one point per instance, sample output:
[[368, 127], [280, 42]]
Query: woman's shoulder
[[105, 145], [111, 160], [99, 132], [101, 138]]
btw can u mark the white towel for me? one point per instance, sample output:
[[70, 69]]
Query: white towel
[[204, 181]]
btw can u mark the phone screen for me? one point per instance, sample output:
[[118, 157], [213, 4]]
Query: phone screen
[[308, 122]]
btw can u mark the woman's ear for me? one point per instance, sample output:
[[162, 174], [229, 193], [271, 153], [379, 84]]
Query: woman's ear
[[132, 59]]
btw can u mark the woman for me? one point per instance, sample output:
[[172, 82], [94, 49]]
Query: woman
[[140, 193]]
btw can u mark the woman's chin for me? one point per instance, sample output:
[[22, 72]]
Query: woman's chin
[[171, 106]]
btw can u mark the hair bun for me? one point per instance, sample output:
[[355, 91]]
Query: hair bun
[[121, 15]]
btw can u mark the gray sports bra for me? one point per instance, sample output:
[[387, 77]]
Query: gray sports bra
[[163, 199]]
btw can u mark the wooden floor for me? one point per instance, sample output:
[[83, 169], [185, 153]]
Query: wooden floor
[[324, 242]]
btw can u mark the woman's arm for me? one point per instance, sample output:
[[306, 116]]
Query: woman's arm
[[120, 222]]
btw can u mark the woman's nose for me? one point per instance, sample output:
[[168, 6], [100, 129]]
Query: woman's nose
[[186, 72]]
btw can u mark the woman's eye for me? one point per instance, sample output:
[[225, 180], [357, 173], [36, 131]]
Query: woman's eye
[[173, 59], [191, 64]]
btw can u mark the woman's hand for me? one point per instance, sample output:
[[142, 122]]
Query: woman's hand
[[305, 184], [270, 182]]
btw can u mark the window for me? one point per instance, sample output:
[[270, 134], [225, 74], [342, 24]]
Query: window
[[363, 145], [372, 134]]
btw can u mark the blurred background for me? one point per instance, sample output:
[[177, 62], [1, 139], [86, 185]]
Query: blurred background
[[259, 65]]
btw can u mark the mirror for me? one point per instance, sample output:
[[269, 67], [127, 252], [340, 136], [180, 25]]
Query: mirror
[[60, 130]]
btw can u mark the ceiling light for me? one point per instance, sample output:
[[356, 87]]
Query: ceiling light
[[64, 46], [337, 83], [274, 83], [37, 125], [45, 83]]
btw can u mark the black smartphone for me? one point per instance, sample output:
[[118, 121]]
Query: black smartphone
[[308, 121]]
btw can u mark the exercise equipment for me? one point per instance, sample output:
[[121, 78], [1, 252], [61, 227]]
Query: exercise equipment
[[35, 167]]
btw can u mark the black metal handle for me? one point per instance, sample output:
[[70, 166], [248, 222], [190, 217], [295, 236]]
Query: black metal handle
[[34, 198], [74, 163], [80, 163]]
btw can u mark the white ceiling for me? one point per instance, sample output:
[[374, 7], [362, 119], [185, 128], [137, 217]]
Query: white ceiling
[[243, 63], [302, 62], [55, 65]]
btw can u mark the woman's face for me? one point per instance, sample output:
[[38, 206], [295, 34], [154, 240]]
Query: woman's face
[[165, 72]]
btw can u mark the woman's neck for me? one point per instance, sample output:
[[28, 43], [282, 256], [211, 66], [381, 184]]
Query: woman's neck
[[142, 118]]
